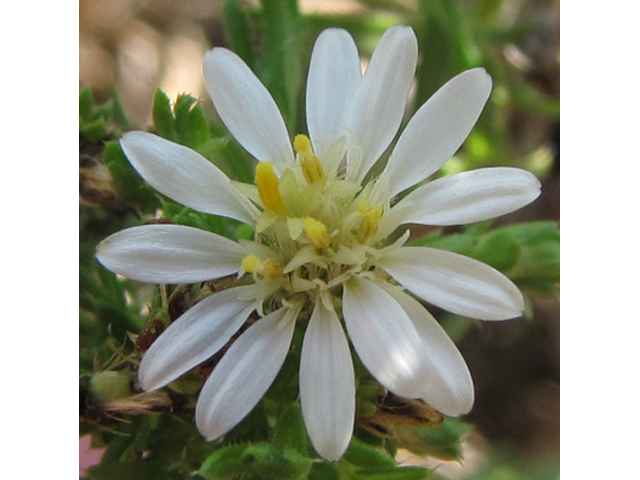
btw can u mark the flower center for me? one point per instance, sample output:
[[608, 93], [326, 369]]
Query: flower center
[[321, 226]]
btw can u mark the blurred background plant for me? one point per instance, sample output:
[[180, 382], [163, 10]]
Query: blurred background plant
[[140, 68]]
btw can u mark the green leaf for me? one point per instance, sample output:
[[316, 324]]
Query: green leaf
[[223, 464], [441, 442], [260, 460], [399, 473], [95, 130], [163, 118], [130, 471], [281, 63], [237, 31], [324, 471], [86, 104], [119, 117], [182, 109], [364, 455], [129, 185], [500, 250], [198, 126], [290, 431]]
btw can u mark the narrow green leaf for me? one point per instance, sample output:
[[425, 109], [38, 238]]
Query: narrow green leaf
[[86, 104], [237, 31], [281, 63], [119, 116], [198, 126], [500, 250], [94, 131], [323, 471], [129, 185], [181, 110], [399, 473], [223, 464], [163, 118], [130, 471], [363, 455]]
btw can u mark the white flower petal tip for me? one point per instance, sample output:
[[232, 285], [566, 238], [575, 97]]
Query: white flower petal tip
[[448, 386], [244, 374], [384, 337], [169, 254], [472, 196], [376, 110], [193, 338], [327, 384], [246, 107], [455, 283], [185, 176], [438, 129], [334, 75]]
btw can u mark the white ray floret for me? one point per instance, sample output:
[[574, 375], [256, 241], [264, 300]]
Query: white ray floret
[[194, 337], [186, 176], [244, 374], [327, 384], [169, 254]]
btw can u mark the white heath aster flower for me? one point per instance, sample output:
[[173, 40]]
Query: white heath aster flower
[[320, 251]]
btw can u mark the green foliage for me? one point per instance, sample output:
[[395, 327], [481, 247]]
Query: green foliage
[[185, 123], [237, 30], [96, 121], [260, 461], [128, 184], [442, 441], [281, 65]]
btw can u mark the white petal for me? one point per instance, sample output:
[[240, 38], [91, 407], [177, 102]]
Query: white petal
[[384, 337], [438, 129], [244, 374], [327, 384], [169, 254], [471, 196], [448, 385], [246, 107], [194, 337], [185, 176], [379, 102], [334, 74], [454, 282]]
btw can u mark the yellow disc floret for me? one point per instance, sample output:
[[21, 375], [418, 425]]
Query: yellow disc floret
[[370, 217], [268, 268], [268, 188], [311, 166], [252, 264], [317, 232], [272, 269], [302, 144]]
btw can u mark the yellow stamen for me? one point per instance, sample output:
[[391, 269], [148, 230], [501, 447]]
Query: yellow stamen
[[272, 269], [370, 217], [317, 232], [311, 166], [267, 182], [268, 268], [252, 264], [302, 144]]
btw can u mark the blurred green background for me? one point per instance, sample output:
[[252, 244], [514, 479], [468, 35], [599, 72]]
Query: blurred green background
[[139, 46]]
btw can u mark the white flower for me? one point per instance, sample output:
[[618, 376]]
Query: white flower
[[319, 250]]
